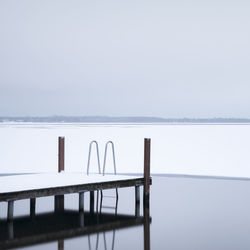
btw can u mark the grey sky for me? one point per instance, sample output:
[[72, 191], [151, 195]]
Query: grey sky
[[177, 58]]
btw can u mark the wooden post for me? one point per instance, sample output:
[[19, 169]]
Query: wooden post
[[10, 210], [81, 201], [146, 189], [32, 207], [59, 199], [60, 154], [137, 201], [91, 201], [146, 193]]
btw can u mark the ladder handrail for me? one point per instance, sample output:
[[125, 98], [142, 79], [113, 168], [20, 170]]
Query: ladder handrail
[[105, 156], [98, 156]]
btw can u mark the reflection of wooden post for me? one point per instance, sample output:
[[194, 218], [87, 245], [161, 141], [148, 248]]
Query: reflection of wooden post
[[81, 218], [59, 199], [146, 172], [146, 228], [11, 230]]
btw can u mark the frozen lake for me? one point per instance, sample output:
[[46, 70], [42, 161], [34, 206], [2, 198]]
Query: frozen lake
[[193, 149]]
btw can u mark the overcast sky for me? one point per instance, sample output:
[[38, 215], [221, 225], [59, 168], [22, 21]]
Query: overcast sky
[[177, 58]]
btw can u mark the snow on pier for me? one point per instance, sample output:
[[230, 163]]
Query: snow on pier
[[37, 185]]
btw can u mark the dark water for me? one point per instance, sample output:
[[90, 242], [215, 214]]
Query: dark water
[[186, 213]]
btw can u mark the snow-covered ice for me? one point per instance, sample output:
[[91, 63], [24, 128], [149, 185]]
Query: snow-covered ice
[[195, 149]]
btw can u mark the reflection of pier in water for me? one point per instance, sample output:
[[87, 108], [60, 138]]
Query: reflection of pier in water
[[48, 227]]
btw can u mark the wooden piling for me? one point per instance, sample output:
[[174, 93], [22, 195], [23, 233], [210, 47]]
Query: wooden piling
[[60, 154], [32, 207], [81, 202], [146, 189], [59, 199], [91, 201], [146, 193], [10, 214], [137, 201]]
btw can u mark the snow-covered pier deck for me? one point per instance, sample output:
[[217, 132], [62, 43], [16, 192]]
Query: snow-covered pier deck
[[16, 187]]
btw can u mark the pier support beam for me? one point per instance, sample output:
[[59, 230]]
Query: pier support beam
[[10, 214], [32, 207], [137, 200], [59, 199], [81, 201], [59, 203], [146, 189], [137, 194], [91, 201]]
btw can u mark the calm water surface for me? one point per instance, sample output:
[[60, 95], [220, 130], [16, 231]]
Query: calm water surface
[[186, 213]]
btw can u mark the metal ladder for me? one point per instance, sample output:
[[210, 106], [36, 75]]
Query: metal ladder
[[98, 156], [103, 173]]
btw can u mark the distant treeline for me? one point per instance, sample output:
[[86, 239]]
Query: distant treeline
[[103, 119]]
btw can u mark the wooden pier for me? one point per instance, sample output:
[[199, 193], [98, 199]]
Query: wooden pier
[[32, 186]]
